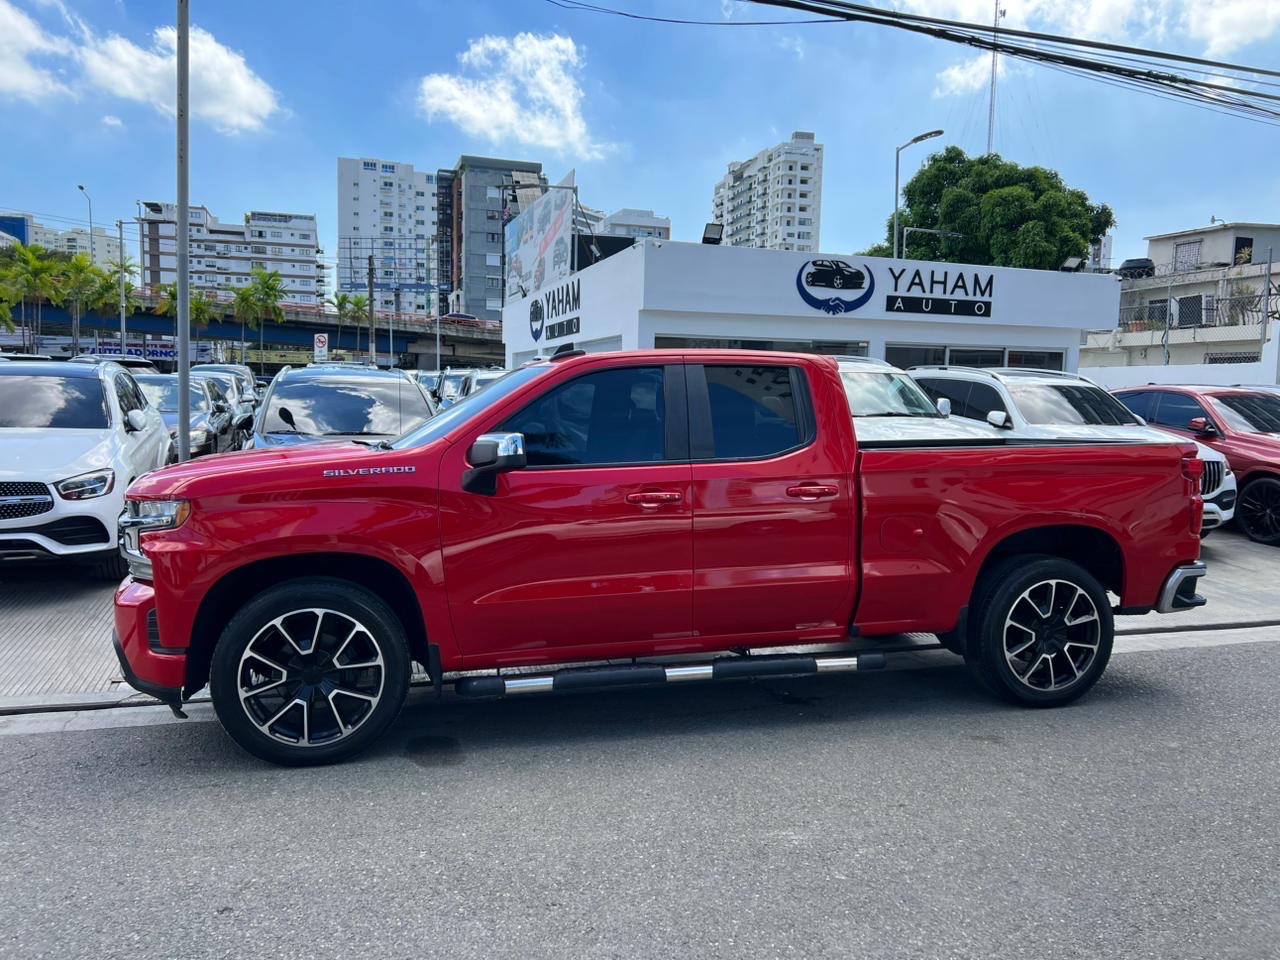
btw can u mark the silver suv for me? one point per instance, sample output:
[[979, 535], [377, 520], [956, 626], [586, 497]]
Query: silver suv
[[1054, 405]]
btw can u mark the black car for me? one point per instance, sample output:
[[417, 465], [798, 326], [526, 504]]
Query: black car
[[560, 254], [834, 273], [1137, 268], [307, 404], [213, 428]]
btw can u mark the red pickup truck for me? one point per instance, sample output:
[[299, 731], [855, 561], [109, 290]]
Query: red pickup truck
[[634, 518]]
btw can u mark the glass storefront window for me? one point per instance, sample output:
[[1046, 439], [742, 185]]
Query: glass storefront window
[[830, 348]]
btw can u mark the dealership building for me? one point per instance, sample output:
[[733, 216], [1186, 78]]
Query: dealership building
[[660, 293]]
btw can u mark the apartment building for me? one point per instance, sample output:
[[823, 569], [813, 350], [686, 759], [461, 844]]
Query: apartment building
[[774, 199], [23, 228], [637, 224], [223, 255], [388, 210]]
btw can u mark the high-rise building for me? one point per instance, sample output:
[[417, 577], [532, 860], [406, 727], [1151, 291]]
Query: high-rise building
[[471, 221], [23, 228], [223, 255], [773, 200], [387, 210], [638, 224]]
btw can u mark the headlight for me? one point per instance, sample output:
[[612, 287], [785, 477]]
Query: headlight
[[145, 516], [87, 485], [198, 438]]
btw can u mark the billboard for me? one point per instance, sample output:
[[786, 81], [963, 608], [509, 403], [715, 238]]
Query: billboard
[[537, 243]]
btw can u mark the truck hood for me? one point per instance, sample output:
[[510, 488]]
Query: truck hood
[[254, 468], [922, 429], [46, 454]]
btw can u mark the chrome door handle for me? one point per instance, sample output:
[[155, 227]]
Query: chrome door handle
[[812, 491], [654, 498]]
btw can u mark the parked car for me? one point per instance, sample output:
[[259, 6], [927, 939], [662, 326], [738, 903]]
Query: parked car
[[1243, 423], [212, 428], [243, 404], [483, 378], [26, 357], [834, 273], [454, 385], [129, 363], [1136, 268], [656, 504], [889, 406], [248, 384], [1051, 404], [73, 436], [306, 404]]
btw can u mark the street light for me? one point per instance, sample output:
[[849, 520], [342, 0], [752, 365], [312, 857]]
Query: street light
[[907, 231], [92, 258], [897, 157]]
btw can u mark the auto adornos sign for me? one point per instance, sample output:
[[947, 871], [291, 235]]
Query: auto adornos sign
[[952, 292], [556, 313]]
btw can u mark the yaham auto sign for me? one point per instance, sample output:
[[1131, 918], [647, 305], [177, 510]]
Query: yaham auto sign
[[823, 283]]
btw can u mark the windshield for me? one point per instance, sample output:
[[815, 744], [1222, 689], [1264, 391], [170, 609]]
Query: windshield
[[1248, 412], [452, 385], [73, 403], [227, 380], [429, 380], [162, 392], [885, 394], [1070, 403], [339, 406], [468, 407]]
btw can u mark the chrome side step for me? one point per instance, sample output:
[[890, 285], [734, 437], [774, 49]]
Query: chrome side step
[[648, 674]]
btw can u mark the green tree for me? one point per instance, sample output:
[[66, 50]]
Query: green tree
[[994, 212], [342, 305], [79, 284], [359, 313], [33, 275], [245, 309], [268, 291]]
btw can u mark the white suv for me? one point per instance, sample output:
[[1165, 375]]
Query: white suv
[[888, 406], [73, 437], [1053, 405]]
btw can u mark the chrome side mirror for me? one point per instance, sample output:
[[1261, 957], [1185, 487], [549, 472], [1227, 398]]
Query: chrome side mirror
[[490, 455], [998, 418], [135, 420], [944, 406]]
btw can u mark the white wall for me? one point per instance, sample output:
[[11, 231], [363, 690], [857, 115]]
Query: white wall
[[1221, 374]]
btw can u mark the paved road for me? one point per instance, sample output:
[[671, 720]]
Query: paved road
[[891, 815]]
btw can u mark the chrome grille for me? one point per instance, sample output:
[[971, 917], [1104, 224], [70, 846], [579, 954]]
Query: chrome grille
[[1211, 479], [21, 498]]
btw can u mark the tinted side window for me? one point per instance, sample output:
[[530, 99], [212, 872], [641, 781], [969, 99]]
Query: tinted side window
[[614, 416], [957, 391], [982, 400], [1177, 411], [753, 411], [1139, 404], [125, 395]]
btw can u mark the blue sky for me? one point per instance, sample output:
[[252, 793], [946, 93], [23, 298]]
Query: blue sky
[[649, 114]]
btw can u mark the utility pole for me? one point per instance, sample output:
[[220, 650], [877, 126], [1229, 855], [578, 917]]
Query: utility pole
[[373, 357], [391, 331], [184, 231], [1266, 315], [120, 234], [991, 109]]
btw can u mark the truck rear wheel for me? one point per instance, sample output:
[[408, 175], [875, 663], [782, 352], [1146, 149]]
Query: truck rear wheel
[[1043, 631], [310, 671]]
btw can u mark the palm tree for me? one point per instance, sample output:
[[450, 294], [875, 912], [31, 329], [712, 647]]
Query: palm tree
[[268, 291], [200, 308], [33, 277], [7, 298], [342, 304], [359, 310], [245, 309], [78, 284]]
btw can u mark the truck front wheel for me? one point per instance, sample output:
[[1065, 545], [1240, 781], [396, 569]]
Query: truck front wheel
[[1043, 630], [310, 671]]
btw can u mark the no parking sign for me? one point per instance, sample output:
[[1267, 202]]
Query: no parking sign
[[321, 347]]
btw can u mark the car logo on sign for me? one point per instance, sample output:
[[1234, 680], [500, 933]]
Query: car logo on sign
[[820, 283]]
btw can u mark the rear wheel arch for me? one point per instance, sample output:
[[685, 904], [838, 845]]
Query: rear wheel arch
[[241, 585], [1092, 548]]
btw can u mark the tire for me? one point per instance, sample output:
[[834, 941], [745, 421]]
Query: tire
[[1258, 510], [838, 282], [1020, 653], [111, 568], [301, 709]]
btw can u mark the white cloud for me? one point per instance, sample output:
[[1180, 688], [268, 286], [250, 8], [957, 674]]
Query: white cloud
[[792, 44], [21, 40], [1227, 25], [224, 89], [968, 75], [524, 89], [112, 121]]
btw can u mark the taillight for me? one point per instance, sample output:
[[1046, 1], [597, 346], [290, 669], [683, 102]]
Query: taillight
[[1193, 471]]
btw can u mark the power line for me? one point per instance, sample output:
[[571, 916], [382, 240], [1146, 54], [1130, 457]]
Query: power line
[[582, 5]]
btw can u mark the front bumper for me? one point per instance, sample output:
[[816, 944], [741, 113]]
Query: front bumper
[[1179, 590], [1219, 510], [146, 665]]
